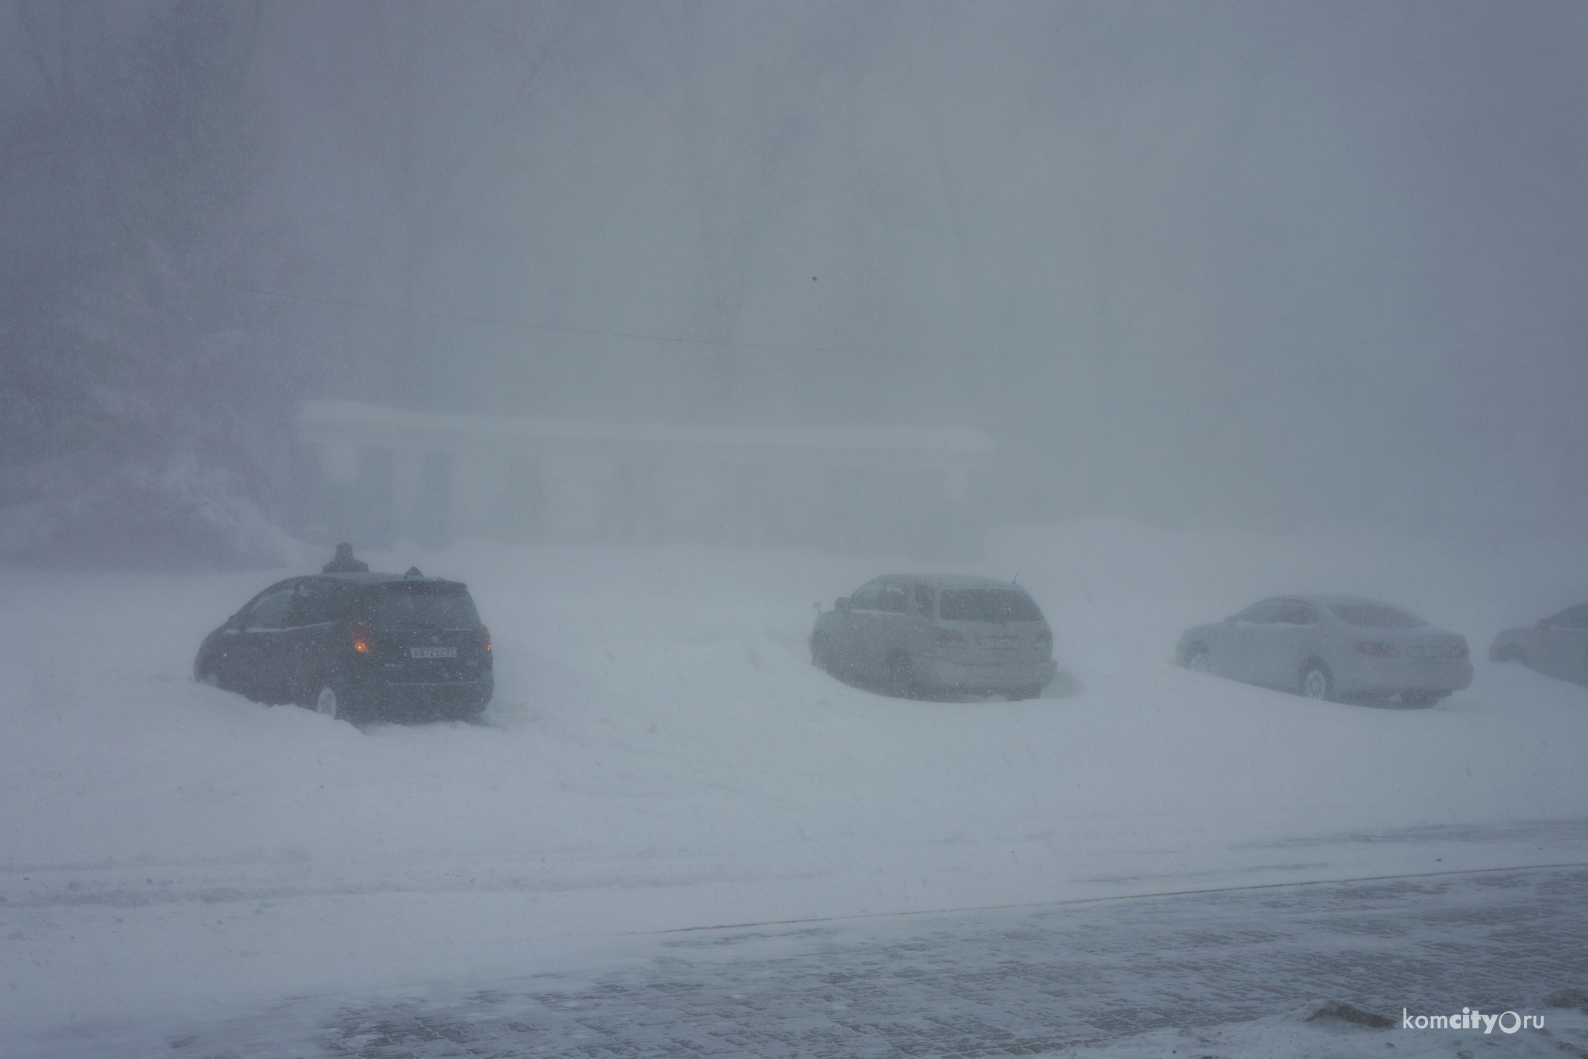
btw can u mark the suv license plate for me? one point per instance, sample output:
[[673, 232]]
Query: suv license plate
[[432, 652], [998, 641]]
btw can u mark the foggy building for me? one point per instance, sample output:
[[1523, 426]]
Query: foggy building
[[371, 474]]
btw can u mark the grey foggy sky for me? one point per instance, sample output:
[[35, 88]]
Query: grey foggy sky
[[1252, 262]]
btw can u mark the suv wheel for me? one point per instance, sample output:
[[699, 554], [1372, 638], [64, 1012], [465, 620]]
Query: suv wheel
[[822, 654], [326, 701]]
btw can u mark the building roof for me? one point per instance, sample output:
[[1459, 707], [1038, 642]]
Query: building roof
[[342, 416]]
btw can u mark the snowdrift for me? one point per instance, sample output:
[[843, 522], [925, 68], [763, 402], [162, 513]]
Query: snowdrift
[[661, 754]]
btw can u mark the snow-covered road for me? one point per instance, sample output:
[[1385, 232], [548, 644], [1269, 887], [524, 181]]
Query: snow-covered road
[[662, 755], [1228, 973]]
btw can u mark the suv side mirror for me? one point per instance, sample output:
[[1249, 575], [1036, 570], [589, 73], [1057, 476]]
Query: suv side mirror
[[841, 603]]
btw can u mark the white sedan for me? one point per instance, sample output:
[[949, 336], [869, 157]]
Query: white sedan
[[1332, 647]]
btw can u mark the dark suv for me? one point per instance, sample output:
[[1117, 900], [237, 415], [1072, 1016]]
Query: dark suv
[[357, 645]]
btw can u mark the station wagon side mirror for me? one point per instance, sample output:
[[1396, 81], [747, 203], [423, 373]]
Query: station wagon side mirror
[[841, 603]]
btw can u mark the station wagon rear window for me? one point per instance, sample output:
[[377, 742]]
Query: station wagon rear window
[[445, 606], [1373, 616], [987, 604]]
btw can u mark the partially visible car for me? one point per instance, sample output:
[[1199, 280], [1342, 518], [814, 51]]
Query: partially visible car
[[1557, 646], [1332, 647], [918, 635], [360, 646]]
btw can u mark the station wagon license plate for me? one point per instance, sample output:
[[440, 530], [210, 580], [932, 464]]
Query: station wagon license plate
[[1418, 651], [998, 641], [432, 652]]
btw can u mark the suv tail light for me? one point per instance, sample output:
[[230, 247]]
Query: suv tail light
[[485, 639], [1460, 650], [1378, 648], [361, 638], [949, 638], [1045, 638]]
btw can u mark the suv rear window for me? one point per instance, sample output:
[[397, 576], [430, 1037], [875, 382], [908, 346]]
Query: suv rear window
[[444, 605], [987, 604], [1369, 616]]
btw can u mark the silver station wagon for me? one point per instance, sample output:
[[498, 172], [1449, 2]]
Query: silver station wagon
[[918, 635], [1332, 647]]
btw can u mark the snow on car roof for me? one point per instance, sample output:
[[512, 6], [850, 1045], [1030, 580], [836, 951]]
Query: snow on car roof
[[373, 578], [951, 580]]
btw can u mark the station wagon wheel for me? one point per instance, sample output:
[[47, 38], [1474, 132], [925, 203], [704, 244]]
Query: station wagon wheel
[[1316, 682], [1419, 700], [901, 677], [1199, 659]]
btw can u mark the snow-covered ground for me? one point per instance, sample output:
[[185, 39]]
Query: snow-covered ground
[[661, 754], [1293, 1036]]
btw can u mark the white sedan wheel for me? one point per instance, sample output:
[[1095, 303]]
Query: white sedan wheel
[[1315, 683]]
